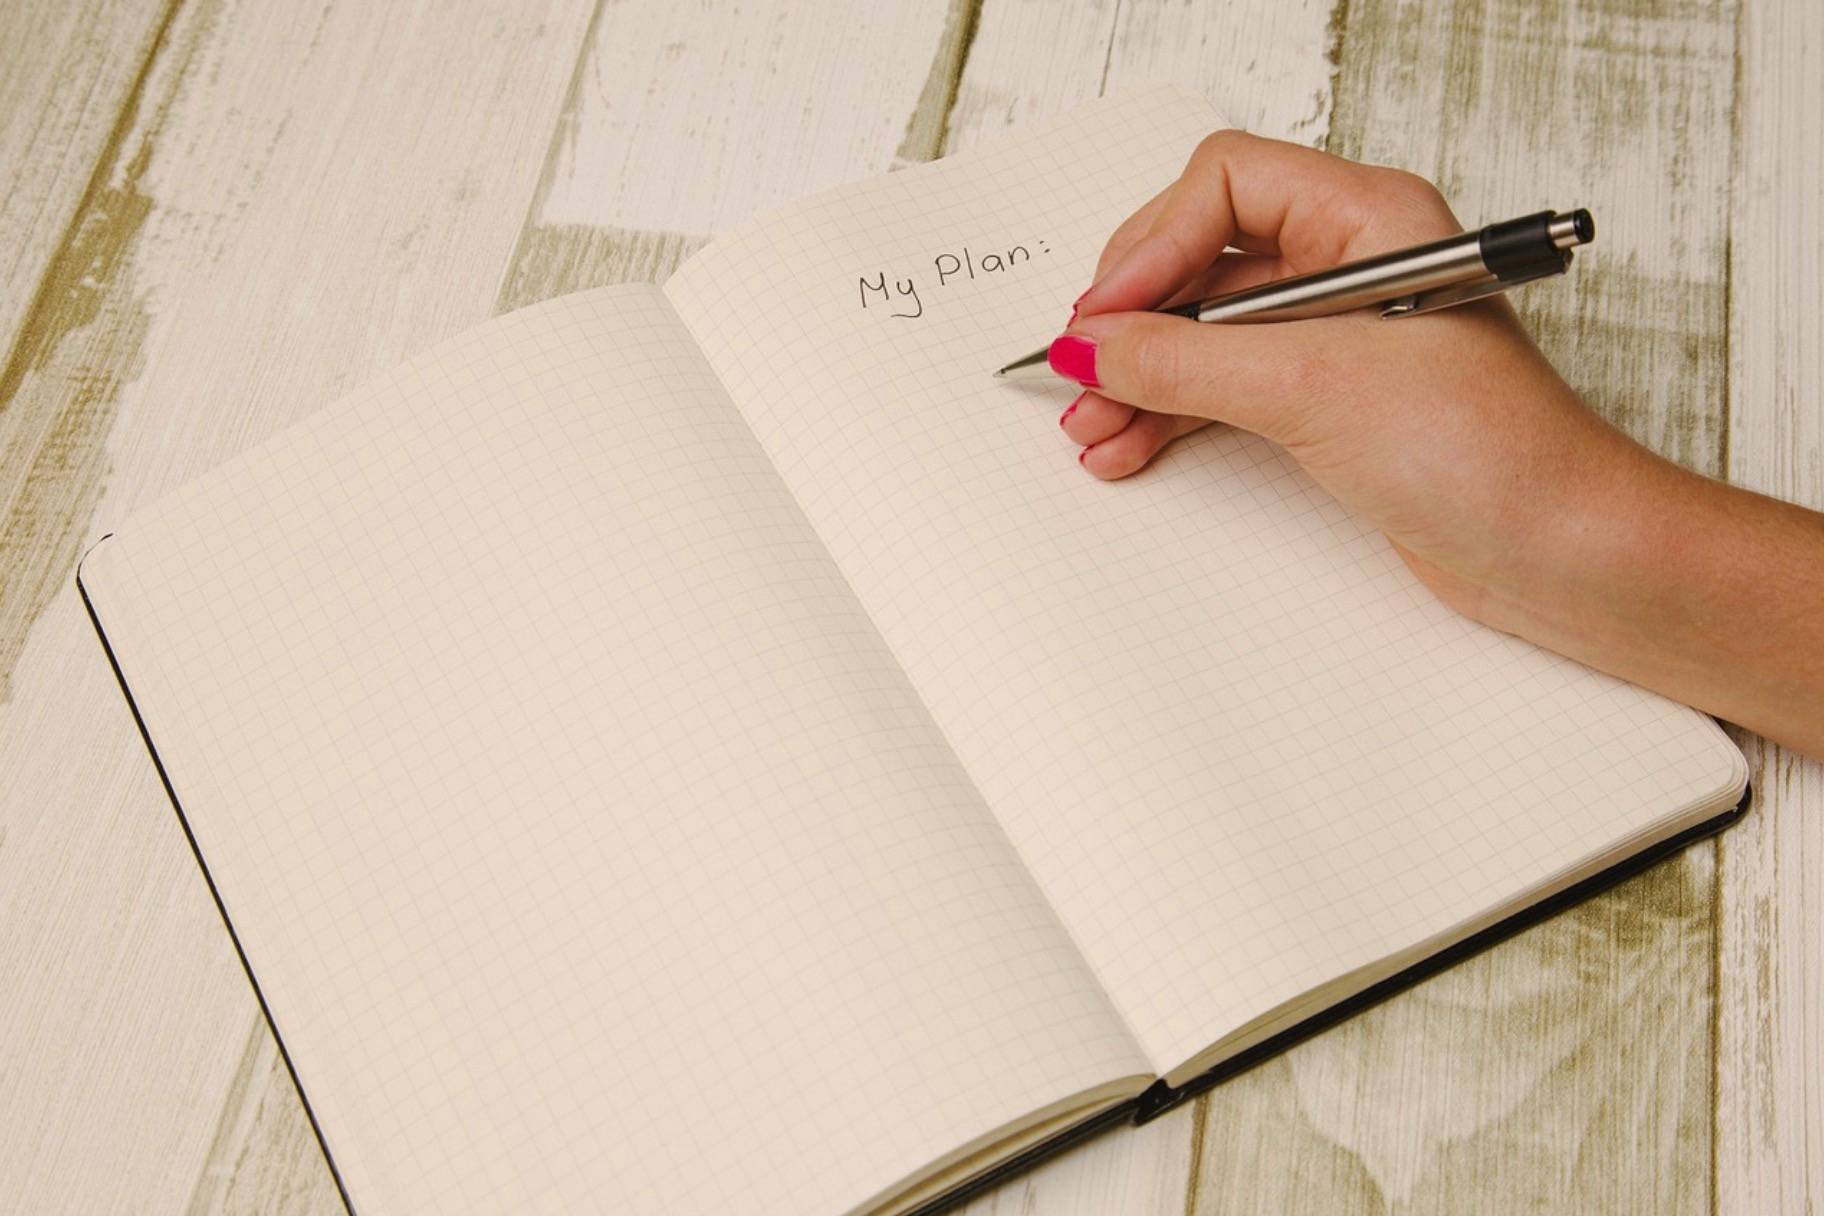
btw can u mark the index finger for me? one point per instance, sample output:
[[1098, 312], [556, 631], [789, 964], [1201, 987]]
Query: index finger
[[1135, 227], [1314, 209], [1131, 230]]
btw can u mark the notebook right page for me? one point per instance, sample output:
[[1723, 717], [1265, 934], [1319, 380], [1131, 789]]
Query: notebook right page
[[1243, 751]]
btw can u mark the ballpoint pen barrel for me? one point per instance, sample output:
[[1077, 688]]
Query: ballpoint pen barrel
[[1356, 285]]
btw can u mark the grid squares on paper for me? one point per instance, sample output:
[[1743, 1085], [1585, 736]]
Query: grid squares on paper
[[570, 810], [1242, 750]]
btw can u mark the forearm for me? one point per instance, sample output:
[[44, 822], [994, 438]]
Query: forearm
[[1707, 593]]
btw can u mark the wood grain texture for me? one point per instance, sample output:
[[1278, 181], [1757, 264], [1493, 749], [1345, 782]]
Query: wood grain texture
[[294, 199], [1770, 1021], [1262, 64], [70, 86], [264, 1157], [648, 162], [692, 119], [67, 71]]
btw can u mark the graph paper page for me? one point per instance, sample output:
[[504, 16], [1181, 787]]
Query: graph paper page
[[590, 848], [1241, 748]]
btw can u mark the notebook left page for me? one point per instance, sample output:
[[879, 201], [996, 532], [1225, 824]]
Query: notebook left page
[[587, 845]]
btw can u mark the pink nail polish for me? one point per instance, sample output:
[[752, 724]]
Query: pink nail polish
[[1074, 357], [1082, 456], [1071, 409]]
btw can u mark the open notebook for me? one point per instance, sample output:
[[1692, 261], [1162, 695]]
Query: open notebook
[[710, 749]]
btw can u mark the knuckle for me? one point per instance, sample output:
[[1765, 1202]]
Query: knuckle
[[1179, 250], [1417, 201], [1411, 186], [1122, 464], [1218, 145]]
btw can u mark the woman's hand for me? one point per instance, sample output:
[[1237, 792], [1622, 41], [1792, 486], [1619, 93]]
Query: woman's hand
[[1450, 432]]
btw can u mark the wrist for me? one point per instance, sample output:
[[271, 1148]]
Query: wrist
[[1595, 540], [1696, 589]]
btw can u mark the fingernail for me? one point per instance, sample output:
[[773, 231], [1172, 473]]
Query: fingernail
[[1078, 303], [1065, 416], [1074, 357], [1082, 456]]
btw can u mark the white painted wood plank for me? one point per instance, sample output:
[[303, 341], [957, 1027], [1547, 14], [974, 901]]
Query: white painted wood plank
[[1770, 979], [682, 122], [68, 84], [691, 119], [302, 197], [1263, 65], [1030, 62], [264, 1156], [66, 73]]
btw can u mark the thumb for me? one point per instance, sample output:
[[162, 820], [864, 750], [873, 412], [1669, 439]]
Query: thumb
[[1261, 378]]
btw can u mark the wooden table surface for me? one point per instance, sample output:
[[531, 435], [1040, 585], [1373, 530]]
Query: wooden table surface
[[220, 214]]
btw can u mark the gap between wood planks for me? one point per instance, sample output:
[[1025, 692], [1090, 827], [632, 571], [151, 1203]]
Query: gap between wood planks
[[94, 248]]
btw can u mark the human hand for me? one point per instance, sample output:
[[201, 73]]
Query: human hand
[[1508, 496], [1450, 431]]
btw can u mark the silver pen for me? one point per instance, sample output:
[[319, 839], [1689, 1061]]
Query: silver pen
[[1403, 283]]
